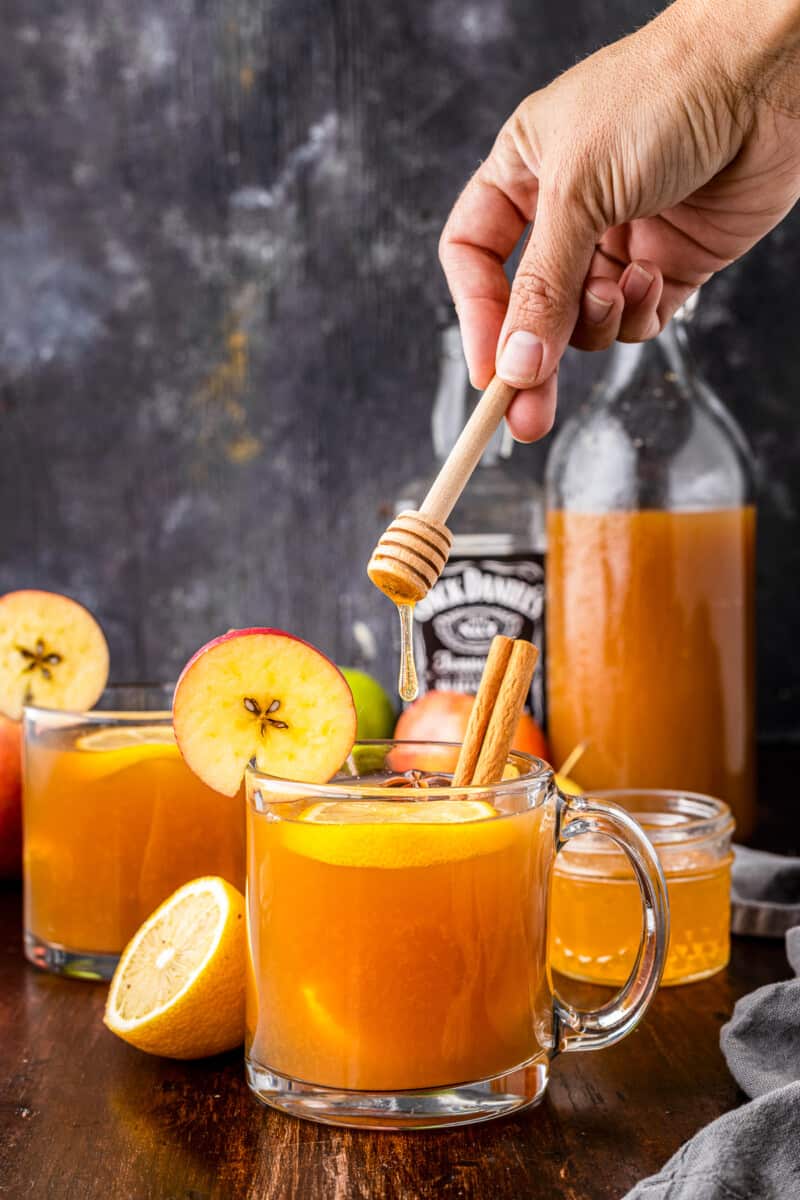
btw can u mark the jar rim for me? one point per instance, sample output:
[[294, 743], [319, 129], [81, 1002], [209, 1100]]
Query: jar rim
[[676, 817]]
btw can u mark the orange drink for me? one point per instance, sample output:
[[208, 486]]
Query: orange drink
[[650, 632], [397, 940], [114, 822], [595, 910], [391, 996]]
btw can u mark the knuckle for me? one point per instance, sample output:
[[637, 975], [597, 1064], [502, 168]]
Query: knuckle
[[538, 301], [569, 179]]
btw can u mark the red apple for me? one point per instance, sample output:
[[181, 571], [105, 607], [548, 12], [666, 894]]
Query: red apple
[[52, 653], [10, 798], [443, 717], [263, 695]]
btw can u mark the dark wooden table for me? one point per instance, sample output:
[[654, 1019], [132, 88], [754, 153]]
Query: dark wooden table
[[83, 1116]]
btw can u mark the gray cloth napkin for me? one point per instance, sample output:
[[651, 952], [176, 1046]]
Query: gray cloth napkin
[[752, 1153], [765, 893], [749, 1154]]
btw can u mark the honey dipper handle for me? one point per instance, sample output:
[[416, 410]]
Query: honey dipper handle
[[465, 455]]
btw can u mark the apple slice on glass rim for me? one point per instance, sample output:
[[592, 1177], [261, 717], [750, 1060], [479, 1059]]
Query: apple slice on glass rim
[[52, 653], [263, 696]]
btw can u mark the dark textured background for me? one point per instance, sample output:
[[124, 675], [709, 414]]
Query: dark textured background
[[219, 302]]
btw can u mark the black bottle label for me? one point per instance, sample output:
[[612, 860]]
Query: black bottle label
[[475, 599]]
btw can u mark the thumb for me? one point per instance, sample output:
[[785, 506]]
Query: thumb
[[546, 293]]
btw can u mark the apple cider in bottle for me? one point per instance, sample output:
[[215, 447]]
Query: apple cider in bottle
[[650, 589], [493, 581]]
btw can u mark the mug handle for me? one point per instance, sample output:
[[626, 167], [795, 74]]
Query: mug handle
[[591, 1029]]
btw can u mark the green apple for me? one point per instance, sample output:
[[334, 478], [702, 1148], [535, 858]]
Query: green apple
[[375, 711]]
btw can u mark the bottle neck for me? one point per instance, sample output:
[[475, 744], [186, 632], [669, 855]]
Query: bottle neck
[[670, 352], [654, 436]]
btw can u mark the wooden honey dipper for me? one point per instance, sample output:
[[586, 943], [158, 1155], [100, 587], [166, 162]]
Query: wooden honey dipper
[[411, 554]]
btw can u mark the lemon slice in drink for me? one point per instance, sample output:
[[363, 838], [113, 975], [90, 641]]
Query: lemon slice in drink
[[397, 812], [179, 987], [126, 737], [395, 834]]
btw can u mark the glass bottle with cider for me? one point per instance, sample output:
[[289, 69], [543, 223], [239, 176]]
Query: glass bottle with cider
[[494, 579], [650, 588]]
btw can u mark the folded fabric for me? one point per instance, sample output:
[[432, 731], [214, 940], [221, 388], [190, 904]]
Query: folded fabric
[[765, 893], [761, 1042], [752, 1153]]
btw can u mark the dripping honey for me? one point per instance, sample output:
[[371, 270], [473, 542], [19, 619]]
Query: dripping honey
[[408, 684]]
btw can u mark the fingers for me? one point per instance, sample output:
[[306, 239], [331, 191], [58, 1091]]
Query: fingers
[[532, 412], [642, 284], [625, 309], [546, 293], [601, 309], [480, 233]]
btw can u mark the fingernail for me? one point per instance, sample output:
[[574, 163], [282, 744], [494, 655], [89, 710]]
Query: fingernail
[[636, 286], [520, 359], [595, 309]]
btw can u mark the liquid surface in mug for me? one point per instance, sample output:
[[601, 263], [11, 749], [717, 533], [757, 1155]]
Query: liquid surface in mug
[[114, 822], [596, 918], [388, 952], [650, 650]]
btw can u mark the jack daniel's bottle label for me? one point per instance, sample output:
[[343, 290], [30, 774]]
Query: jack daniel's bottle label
[[475, 599]]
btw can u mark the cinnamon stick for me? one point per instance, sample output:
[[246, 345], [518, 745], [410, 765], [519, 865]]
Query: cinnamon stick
[[507, 711], [493, 672]]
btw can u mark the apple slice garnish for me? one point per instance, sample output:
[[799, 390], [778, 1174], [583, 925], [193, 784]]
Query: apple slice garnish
[[52, 653], [263, 696]]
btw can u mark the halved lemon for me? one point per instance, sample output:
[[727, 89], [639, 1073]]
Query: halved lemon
[[179, 987]]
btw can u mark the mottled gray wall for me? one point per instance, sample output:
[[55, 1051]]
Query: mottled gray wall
[[219, 301]]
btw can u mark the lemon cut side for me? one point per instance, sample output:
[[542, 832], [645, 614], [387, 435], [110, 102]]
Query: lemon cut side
[[179, 987]]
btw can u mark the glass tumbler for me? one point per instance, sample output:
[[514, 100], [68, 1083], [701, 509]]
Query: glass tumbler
[[113, 822], [397, 969]]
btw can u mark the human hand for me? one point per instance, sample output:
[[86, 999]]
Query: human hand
[[645, 169]]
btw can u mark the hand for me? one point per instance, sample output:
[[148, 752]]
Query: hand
[[645, 169]]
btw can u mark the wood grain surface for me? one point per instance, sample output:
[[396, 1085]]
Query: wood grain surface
[[220, 301], [85, 1117]]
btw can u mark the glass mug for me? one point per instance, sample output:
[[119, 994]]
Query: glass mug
[[114, 821], [397, 939]]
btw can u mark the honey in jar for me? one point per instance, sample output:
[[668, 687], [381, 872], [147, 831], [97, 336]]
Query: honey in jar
[[595, 914]]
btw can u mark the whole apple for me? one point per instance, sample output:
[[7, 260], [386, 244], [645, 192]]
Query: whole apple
[[10, 798], [374, 708]]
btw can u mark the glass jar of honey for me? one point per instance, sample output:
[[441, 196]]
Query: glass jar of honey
[[595, 913]]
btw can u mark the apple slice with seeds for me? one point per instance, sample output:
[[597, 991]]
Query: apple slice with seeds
[[263, 695], [52, 653]]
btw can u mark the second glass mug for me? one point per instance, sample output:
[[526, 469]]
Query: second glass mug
[[397, 958], [114, 821]]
